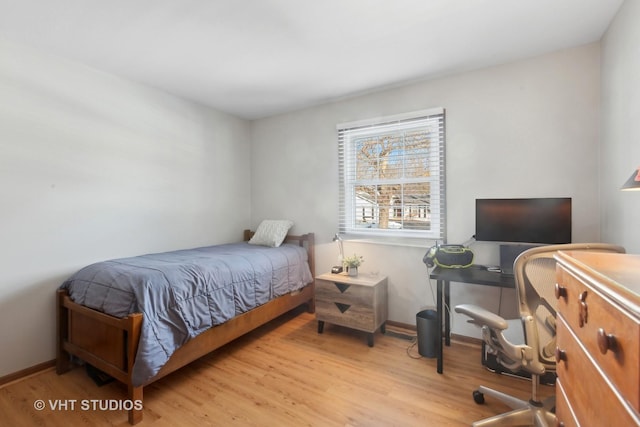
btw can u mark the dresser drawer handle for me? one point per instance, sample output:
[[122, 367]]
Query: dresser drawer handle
[[560, 291], [584, 309], [606, 341], [561, 355]]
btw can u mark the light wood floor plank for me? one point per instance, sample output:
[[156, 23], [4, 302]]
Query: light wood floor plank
[[284, 374]]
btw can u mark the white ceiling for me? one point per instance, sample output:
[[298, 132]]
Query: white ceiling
[[255, 58]]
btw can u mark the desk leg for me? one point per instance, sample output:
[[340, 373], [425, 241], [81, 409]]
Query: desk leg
[[440, 313], [447, 314]]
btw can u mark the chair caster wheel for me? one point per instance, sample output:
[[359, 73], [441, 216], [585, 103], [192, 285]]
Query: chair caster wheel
[[478, 397]]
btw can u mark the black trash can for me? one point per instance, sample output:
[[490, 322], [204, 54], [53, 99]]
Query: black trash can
[[427, 328]]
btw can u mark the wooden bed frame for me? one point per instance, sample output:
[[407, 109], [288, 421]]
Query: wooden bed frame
[[110, 343]]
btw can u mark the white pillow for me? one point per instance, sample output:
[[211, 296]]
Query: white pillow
[[271, 232]]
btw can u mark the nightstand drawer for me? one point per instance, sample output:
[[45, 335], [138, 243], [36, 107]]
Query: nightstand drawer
[[354, 316], [342, 292]]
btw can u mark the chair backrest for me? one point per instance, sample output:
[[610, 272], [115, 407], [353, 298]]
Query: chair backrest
[[535, 271]]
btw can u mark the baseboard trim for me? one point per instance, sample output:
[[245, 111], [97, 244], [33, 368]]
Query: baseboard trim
[[27, 372], [401, 325], [467, 340]]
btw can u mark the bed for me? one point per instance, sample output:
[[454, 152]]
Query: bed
[[110, 315]]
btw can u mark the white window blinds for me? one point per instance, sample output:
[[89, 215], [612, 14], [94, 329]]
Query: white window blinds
[[392, 175]]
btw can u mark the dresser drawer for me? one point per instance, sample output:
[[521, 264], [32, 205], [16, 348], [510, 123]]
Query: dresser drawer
[[592, 317], [594, 402], [564, 413]]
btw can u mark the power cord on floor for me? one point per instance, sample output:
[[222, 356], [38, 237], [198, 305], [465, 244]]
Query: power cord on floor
[[412, 338], [411, 347]]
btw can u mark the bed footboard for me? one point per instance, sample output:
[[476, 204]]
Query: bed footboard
[[110, 344], [106, 342]]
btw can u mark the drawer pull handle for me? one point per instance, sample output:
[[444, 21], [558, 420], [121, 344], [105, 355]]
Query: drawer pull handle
[[561, 291], [561, 355], [606, 341], [584, 309], [342, 307], [341, 287]]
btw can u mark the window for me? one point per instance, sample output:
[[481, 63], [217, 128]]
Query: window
[[392, 176]]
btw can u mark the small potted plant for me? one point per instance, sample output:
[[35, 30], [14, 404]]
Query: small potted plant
[[352, 263]]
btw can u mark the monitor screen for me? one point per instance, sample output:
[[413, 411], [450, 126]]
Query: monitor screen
[[541, 220]]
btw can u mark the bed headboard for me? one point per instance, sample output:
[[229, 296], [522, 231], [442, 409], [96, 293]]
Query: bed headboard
[[305, 240]]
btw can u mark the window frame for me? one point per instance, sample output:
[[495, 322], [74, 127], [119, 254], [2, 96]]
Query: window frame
[[349, 132]]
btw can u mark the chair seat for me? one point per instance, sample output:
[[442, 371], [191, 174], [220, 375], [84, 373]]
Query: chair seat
[[514, 333]]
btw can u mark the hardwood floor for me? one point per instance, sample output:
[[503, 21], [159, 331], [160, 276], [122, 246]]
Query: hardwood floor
[[283, 374]]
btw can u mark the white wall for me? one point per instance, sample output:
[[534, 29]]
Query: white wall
[[620, 148], [95, 167], [525, 129]]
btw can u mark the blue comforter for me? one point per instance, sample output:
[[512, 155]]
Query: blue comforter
[[186, 292]]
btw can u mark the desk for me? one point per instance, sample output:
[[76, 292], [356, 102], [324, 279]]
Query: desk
[[476, 275]]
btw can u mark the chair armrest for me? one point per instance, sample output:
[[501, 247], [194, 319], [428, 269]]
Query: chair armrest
[[481, 316]]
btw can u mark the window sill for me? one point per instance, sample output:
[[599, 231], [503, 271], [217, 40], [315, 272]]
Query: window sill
[[414, 242]]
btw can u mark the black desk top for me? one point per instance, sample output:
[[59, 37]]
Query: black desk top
[[476, 274]]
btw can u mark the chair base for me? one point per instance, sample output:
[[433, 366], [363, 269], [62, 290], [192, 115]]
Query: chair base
[[525, 413]]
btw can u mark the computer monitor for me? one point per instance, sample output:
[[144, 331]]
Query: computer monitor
[[537, 220]]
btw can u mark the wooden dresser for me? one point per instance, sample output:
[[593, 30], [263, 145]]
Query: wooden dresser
[[598, 339]]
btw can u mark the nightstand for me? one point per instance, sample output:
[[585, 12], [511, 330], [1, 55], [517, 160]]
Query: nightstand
[[355, 302]]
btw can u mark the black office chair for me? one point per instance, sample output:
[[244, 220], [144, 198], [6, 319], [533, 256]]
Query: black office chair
[[534, 271]]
